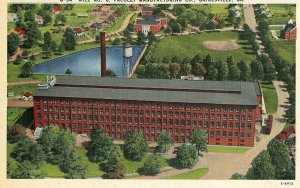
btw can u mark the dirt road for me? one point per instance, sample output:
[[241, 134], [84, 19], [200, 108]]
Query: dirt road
[[19, 103], [223, 165], [26, 82]]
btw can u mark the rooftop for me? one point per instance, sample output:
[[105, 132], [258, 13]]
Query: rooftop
[[150, 20], [160, 90]]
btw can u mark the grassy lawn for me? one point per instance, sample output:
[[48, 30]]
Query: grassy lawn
[[270, 97], [52, 171], [92, 168], [13, 114], [194, 174], [220, 10], [21, 89], [190, 45], [224, 149], [11, 160], [286, 49], [133, 166], [280, 13]]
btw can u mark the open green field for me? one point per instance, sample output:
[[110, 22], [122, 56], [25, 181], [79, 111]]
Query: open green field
[[226, 149], [194, 174], [92, 168], [286, 50], [280, 13], [13, 114], [219, 10], [270, 97], [190, 45]]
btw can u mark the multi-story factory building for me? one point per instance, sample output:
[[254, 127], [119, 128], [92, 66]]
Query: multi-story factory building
[[227, 110]]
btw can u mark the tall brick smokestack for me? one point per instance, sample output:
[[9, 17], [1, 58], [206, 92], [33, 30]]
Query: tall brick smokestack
[[103, 54]]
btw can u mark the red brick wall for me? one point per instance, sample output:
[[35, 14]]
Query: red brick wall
[[138, 28], [190, 117], [155, 28], [292, 35]]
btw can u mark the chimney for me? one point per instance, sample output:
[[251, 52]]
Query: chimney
[[103, 54]]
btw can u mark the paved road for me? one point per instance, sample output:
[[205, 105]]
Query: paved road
[[223, 165], [251, 22]]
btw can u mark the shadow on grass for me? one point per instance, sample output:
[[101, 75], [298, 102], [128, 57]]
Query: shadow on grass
[[173, 163], [26, 119]]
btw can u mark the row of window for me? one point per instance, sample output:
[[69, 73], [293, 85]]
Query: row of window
[[124, 128], [113, 118], [102, 103]]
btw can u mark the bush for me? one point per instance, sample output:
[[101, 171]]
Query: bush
[[151, 166]]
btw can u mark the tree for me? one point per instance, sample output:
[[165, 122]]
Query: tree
[[23, 171], [100, 146], [134, 146], [115, 153], [27, 70], [237, 176], [47, 19], [110, 73], [116, 170], [60, 19], [151, 38], [77, 171], [199, 139], [245, 71], [69, 41], [164, 141], [151, 166], [68, 71], [257, 70], [198, 70], [222, 70], [22, 149], [37, 155], [212, 73], [141, 38], [262, 167], [186, 156], [28, 16], [13, 42], [15, 133], [174, 69], [233, 71], [33, 34], [284, 168], [47, 139]]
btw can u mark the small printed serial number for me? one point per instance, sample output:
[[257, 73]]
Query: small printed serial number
[[287, 183]]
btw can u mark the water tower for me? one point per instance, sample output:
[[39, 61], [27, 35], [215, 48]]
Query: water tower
[[127, 49]]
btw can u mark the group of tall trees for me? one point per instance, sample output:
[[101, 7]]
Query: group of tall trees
[[198, 18], [285, 70], [207, 67], [273, 163], [54, 146]]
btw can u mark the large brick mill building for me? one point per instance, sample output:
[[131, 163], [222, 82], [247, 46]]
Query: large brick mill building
[[227, 110]]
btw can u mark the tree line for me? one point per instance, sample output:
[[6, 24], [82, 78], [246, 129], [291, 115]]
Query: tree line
[[207, 67]]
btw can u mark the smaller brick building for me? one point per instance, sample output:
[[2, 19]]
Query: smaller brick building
[[290, 32], [151, 23]]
